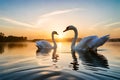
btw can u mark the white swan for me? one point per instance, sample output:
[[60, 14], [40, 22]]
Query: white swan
[[43, 44], [87, 43]]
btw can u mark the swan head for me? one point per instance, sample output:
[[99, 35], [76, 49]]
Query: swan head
[[54, 32], [70, 27]]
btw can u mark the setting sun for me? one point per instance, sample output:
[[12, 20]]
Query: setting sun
[[60, 36], [60, 39]]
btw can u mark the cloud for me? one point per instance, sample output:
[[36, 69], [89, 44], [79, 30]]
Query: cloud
[[101, 23], [113, 26], [108, 26], [46, 17], [60, 12], [16, 22], [42, 19]]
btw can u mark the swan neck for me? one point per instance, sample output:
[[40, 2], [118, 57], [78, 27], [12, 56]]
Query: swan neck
[[74, 39], [55, 45]]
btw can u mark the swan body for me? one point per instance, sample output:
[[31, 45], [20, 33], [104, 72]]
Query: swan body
[[85, 42], [90, 42], [43, 44], [98, 41]]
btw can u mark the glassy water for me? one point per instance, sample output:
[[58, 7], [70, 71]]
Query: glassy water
[[22, 61]]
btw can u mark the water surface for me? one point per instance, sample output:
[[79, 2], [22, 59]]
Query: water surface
[[22, 61]]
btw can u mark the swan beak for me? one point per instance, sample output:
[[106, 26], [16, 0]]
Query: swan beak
[[57, 34], [65, 30]]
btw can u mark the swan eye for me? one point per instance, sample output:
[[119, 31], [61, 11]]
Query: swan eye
[[55, 33], [67, 28]]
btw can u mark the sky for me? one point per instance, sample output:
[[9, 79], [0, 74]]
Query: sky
[[38, 18]]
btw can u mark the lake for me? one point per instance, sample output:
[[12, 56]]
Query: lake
[[22, 61]]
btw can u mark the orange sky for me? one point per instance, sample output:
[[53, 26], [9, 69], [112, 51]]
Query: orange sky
[[37, 19]]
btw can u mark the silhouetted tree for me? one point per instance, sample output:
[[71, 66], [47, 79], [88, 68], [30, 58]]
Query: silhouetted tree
[[11, 38], [1, 34], [1, 37]]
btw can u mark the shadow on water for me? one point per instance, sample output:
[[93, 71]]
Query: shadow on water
[[2, 48], [90, 60], [16, 45]]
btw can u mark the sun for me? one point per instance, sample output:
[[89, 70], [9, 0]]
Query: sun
[[60, 36]]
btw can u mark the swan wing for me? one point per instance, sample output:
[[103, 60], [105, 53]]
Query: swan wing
[[43, 44], [85, 42], [96, 42], [93, 42], [102, 40]]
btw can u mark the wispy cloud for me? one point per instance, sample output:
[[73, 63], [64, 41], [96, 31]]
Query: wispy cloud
[[114, 26], [42, 18], [101, 23], [107, 25], [60, 12], [16, 22], [46, 17]]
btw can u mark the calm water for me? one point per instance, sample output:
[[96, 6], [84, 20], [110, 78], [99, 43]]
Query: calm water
[[22, 61]]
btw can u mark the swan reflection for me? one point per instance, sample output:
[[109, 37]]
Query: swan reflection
[[75, 66], [45, 52], [42, 52], [54, 55], [92, 59]]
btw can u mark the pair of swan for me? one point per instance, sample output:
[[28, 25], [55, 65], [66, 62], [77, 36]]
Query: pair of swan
[[86, 49], [88, 43]]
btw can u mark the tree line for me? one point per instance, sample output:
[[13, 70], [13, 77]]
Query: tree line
[[11, 38]]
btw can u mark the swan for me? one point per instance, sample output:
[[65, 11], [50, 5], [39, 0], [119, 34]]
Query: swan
[[90, 43], [45, 45]]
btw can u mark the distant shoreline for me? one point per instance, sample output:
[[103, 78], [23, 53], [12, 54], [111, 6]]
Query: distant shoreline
[[12, 38], [70, 39], [49, 41], [59, 40]]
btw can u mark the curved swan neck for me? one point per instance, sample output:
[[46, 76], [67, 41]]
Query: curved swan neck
[[55, 45], [75, 38]]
